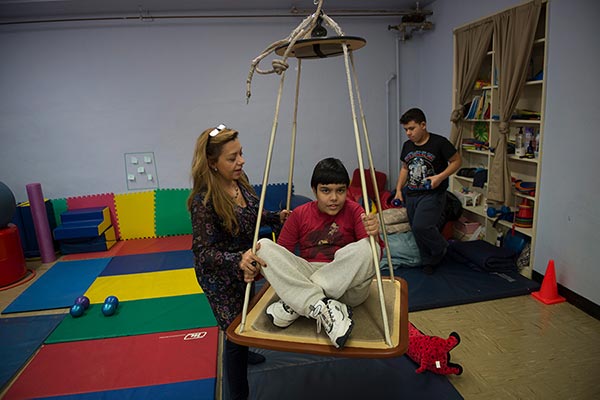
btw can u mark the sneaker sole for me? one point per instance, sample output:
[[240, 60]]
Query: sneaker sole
[[277, 322], [341, 341]]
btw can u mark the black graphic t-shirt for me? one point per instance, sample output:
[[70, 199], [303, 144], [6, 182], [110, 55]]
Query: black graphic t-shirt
[[426, 160]]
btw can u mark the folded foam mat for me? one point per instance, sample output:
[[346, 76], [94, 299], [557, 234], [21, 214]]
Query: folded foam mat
[[145, 285], [201, 389], [20, 337], [137, 263], [59, 286], [119, 363], [137, 317]]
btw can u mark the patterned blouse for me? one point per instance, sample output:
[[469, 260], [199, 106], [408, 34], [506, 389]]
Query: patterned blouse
[[217, 253]]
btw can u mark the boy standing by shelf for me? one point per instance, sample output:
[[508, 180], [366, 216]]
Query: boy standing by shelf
[[427, 162]]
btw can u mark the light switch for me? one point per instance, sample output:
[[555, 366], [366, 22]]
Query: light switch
[[134, 160], [141, 170], [131, 177], [148, 159]]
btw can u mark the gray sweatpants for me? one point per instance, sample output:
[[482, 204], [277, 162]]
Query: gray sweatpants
[[301, 284]]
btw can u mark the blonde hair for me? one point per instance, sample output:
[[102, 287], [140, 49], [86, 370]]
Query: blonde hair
[[204, 179]]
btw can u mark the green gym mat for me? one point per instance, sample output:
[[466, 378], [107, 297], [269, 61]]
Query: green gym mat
[[171, 214], [137, 317]]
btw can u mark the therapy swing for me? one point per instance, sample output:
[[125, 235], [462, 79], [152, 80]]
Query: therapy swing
[[373, 336]]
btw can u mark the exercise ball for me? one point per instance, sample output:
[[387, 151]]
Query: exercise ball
[[7, 205]]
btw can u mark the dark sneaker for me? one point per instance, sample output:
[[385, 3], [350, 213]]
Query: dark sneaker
[[255, 358], [335, 317], [281, 314]]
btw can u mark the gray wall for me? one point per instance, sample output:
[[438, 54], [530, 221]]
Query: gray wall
[[75, 98]]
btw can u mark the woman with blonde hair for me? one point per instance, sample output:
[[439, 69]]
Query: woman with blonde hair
[[224, 209]]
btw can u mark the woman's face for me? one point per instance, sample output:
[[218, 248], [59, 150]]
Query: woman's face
[[231, 161]]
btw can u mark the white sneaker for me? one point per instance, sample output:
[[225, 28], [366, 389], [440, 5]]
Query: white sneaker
[[281, 314], [336, 318]]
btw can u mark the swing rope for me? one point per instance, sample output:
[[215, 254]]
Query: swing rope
[[279, 67]]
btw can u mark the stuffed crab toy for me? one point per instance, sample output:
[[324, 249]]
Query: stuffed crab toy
[[432, 353]]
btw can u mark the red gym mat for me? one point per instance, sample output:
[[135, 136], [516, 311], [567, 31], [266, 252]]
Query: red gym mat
[[118, 363], [138, 246], [155, 245]]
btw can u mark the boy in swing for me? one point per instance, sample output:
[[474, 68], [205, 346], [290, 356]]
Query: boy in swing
[[335, 268]]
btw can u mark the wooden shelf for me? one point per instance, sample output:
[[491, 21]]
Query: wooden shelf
[[532, 97]]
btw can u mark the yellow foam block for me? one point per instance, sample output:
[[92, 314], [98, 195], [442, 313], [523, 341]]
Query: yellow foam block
[[135, 212], [146, 285]]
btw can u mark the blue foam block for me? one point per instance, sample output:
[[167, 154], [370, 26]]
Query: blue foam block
[[81, 229], [83, 214]]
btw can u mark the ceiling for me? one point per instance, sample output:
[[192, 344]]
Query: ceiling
[[20, 10]]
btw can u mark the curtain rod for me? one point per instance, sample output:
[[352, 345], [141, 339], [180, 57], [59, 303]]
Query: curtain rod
[[148, 17]]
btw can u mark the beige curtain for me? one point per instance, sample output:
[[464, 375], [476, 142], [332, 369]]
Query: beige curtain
[[472, 43], [514, 32]]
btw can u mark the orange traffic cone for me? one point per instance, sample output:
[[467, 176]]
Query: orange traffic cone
[[548, 294]]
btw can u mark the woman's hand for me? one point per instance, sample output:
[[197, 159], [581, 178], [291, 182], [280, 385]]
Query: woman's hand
[[283, 215], [251, 264], [371, 223]]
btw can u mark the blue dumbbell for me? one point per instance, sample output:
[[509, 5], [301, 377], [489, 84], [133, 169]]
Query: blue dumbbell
[[494, 212]]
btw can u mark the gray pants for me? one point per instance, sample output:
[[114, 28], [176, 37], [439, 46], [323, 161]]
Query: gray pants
[[301, 284]]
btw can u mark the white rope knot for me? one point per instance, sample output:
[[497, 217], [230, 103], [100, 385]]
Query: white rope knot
[[504, 128], [457, 115], [279, 66]]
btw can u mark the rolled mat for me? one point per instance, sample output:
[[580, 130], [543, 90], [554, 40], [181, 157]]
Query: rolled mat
[[40, 222]]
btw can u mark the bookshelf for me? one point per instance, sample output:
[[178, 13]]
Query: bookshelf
[[481, 131]]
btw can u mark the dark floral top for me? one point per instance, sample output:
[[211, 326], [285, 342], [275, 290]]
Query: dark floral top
[[217, 253]]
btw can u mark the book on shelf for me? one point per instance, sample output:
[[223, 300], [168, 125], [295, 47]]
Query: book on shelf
[[479, 111], [473, 108]]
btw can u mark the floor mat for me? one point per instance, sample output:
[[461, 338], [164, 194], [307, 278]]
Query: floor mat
[[307, 376], [202, 389], [153, 245], [136, 318], [20, 337], [59, 286], [138, 246], [454, 283], [119, 363], [144, 286], [159, 261]]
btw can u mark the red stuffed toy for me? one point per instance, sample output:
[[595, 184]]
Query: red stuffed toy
[[432, 353]]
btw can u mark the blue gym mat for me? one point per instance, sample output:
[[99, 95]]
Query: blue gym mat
[[203, 389], [454, 283], [20, 338], [59, 286], [296, 376], [151, 262]]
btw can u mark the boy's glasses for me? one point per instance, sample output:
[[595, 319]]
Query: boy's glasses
[[216, 131]]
